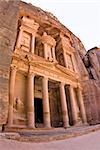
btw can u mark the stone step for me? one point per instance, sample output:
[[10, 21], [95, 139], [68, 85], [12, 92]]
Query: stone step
[[49, 135], [24, 128]]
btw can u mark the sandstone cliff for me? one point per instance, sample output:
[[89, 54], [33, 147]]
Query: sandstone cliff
[[8, 29]]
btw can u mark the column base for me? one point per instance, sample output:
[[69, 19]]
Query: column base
[[47, 126], [66, 125], [30, 117], [77, 123], [9, 125], [31, 127], [85, 124]]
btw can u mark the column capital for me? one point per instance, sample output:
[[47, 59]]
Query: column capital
[[45, 77], [13, 67], [34, 33], [31, 74], [70, 86], [79, 87], [30, 71], [21, 28], [62, 83]]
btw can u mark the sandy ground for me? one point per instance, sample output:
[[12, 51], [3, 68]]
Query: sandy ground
[[90, 141]]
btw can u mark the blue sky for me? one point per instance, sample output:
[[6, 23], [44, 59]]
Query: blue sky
[[82, 17]]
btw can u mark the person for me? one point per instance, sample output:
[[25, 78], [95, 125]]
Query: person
[[3, 127]]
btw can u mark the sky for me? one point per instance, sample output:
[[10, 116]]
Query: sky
[[82, 17]]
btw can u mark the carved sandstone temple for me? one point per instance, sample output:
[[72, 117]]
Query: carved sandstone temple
[[47, 79]]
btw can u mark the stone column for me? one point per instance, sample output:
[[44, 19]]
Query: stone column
[[73, 105], [11, 94], [65, 59], [49, 52], [64, 106], [33, 43], [53, 53], [30, 100], [81, 105], [45, 50], [74, 63], [19, 38], [46, 107]]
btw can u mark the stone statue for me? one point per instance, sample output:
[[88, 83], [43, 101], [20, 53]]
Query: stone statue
[[18, 110], [18, 105]]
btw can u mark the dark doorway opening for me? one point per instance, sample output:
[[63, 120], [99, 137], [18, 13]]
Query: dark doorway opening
[[38, 110]]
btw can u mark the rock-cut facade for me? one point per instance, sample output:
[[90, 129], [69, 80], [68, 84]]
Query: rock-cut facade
[[47, 78]]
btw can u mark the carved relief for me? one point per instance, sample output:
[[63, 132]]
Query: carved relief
[[61, 59], [18, 105], [48, 42], [18, 109], [39, 47], [69, 62], [66, 43], [49, 54], [26, 41], [27, 33], [48, 39]]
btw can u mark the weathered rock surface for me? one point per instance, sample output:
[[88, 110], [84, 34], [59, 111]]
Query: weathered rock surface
[[8, 30], [91, 87]]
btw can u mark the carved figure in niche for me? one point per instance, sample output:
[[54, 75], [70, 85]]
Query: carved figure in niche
[[61, 59], [92, 64], [18, 105], [25, 41], [49, 54]]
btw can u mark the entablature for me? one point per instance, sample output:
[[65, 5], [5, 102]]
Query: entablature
[[48, 39], [29, 23], [41, 64]]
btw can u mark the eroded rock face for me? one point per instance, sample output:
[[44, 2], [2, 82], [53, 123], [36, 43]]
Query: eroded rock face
[[8, 30], [92, 63], [91, 88]]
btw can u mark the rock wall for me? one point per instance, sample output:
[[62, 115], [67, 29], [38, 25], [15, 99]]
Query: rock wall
[[91, 98], [91, 87], [8, 28]]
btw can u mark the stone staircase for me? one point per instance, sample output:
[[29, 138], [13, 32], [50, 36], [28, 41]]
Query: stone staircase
[[46, 135]]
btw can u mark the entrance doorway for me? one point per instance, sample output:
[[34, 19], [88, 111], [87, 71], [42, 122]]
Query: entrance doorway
[[38, 110]]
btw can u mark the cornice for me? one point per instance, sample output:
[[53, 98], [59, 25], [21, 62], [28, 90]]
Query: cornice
[[37, 62]]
